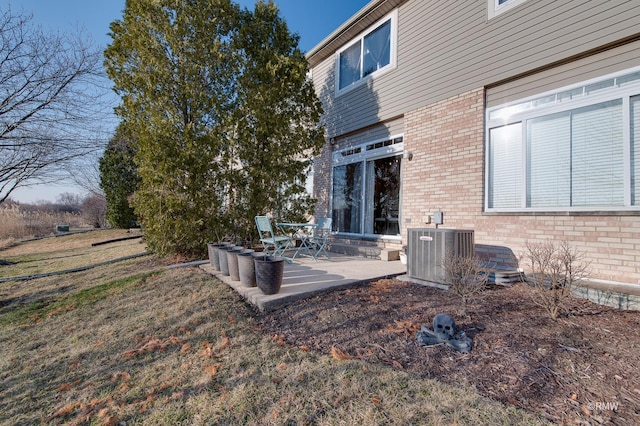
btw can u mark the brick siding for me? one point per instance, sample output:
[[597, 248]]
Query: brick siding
[[446, 174]]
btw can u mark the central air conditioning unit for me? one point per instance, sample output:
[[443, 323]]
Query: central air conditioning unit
[[427, 248]]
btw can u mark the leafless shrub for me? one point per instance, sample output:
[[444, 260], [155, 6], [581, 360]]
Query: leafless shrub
[[465, 278], [553, 268], [94, 210]]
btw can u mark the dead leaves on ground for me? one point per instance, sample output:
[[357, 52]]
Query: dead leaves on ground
[[103, 410], [152, 345], [339, 354], [408, 328], [279, 339], [212, 369], [209, 350], [120, 376], [365, 355], [379, 288], [68, 386]]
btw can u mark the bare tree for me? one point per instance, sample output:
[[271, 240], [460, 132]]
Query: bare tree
[[69, 202], [94, 210], [86, 173], [52, 105]]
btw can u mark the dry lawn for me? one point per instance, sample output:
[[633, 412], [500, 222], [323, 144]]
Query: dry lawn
[[135, 342], [67, 252]]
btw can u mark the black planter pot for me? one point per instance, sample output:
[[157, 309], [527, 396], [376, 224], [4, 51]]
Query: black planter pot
[[246, 268], [269, 272]]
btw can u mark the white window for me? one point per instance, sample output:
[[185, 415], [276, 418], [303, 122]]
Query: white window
[[370, 54], [366, 189], [576, 149], [496, 7]]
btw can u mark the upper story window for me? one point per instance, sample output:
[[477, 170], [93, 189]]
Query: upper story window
[[496, 7], [371, 53]]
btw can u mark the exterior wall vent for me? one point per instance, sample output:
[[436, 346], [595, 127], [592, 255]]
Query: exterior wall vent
[[428, 247]]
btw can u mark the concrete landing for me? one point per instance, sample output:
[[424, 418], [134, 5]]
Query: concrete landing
[[305, 278]]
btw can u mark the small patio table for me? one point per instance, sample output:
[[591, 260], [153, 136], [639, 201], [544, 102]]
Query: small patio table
[[299, 231]]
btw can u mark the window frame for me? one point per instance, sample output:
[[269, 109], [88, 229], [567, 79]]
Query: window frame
[[360, 154], [538, 106], [494, 8], [393, 19]]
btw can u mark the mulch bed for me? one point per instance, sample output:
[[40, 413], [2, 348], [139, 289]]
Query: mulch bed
[[581, 369]]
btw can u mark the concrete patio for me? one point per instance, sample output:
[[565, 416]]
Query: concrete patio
[[305, 277]]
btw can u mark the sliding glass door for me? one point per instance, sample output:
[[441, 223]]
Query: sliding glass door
[[347, 196], [366, 189], [383, 196]]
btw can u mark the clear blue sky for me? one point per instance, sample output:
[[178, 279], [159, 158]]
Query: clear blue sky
[[313, 20]]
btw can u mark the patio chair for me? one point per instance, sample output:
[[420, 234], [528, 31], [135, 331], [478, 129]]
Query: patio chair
[[273, 245], [318, 241]]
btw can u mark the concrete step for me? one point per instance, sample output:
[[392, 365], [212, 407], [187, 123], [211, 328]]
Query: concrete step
[[368, 251]]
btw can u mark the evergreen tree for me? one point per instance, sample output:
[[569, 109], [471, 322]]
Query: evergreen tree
[[171, 63], [276, 123], [224, 117], [119, 179]]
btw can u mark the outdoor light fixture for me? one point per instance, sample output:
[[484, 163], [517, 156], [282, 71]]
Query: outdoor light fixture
[[408, 155]]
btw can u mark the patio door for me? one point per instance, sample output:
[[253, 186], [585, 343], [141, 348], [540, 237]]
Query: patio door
[[382, 204], [347, 196], [366, 189]]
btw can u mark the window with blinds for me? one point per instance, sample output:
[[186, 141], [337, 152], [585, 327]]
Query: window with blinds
[[566, 155], [505, 166], [635, 150]]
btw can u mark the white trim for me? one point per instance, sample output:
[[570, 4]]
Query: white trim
[[494, 8], [393, 17], [363, 156]]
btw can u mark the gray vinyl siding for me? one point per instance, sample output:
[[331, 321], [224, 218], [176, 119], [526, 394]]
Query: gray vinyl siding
[[380, 131], [594, 66], [445, 49]]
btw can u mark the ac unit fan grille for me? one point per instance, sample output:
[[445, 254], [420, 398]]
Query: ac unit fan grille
[[426, 255]]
